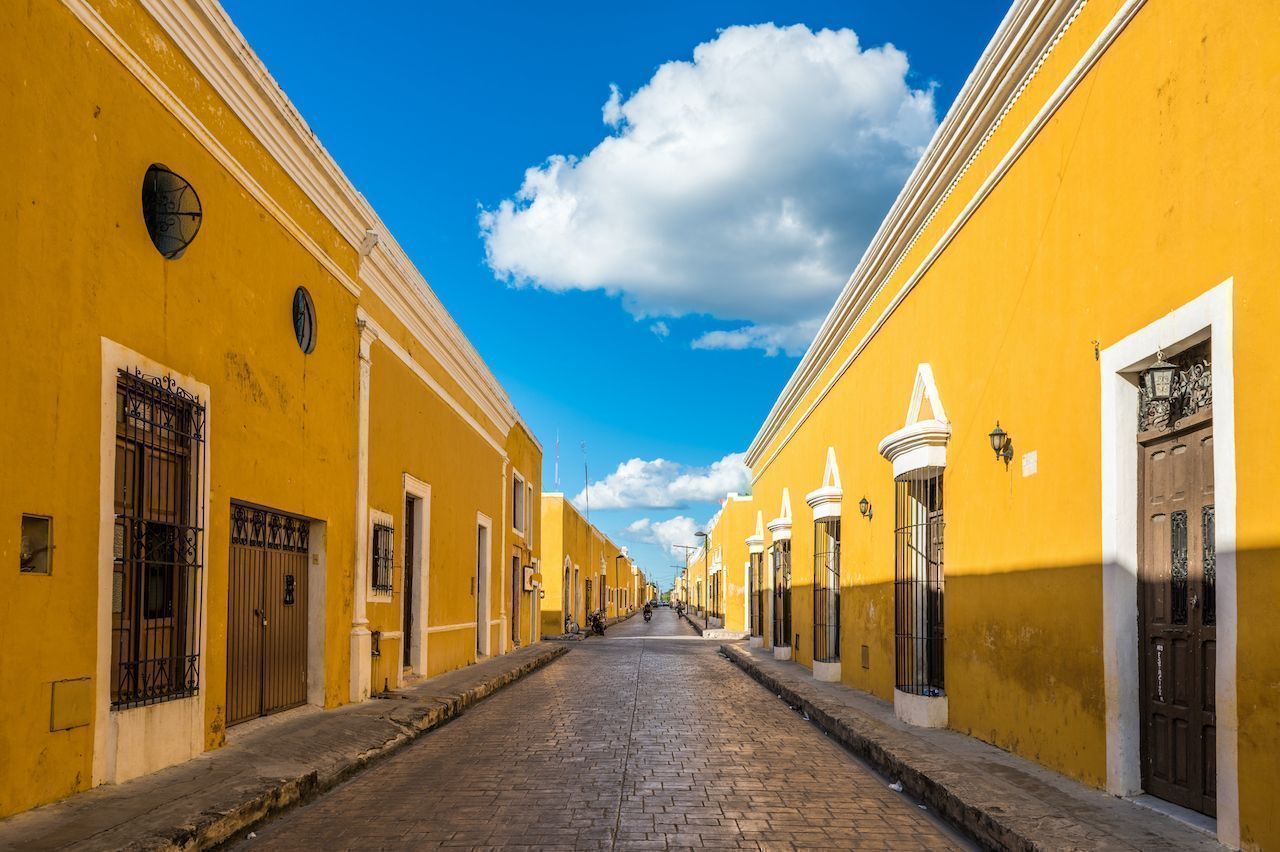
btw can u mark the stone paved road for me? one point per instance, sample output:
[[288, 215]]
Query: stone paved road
[[629, 742]]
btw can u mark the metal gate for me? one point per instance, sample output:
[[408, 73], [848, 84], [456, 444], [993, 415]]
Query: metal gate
[[267, 613]]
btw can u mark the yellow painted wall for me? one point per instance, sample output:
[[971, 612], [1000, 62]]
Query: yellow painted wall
[[83, 268], [566, 533], [282, 425], [1153, 183]]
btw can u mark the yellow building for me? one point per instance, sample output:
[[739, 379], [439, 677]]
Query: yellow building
[[584, 570], [251, 461], [719, 572], [1097, 200]]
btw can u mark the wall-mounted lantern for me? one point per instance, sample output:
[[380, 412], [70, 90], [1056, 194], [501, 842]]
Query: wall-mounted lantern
[[864, 507], [1001, 444], [171, 210], [1157, 380]]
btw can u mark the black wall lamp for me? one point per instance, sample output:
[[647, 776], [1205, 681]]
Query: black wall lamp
[[864, 506], [1001, 444]]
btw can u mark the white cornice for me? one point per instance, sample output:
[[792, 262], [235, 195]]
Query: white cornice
[[1024, 40], [917, 446], [204, 33]]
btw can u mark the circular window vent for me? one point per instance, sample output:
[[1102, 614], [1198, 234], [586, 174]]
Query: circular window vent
[[304, 320], [170, 209]]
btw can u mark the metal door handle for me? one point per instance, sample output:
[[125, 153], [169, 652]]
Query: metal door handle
[[1195, 601]]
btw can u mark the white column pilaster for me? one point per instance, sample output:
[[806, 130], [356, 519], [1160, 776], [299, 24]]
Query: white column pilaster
[[361, 650]]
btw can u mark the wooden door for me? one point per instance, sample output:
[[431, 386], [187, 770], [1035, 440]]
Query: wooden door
[[409, 551], [1177, 615], [266, 613]]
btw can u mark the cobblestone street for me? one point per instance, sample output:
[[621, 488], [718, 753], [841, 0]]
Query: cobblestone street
[[563, 759]]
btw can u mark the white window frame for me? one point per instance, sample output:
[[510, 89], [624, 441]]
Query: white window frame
[[519, 514], [377, 517]]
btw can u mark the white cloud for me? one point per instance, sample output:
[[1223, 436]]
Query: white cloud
[[663, 484], [791, 339], [660, 329], [668, 534], [743, 184]]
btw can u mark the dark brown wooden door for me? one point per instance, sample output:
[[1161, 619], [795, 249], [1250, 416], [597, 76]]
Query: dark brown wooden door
[[409, 552], [267, 613], [1177, 615]]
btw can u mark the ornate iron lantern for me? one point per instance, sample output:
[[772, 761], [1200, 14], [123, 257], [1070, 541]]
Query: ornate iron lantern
[[1000, 444], [864, 506], [170, 209], [1157, 380]]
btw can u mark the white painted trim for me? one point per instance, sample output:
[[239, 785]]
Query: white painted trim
[[920, 445], [317, 610], [380, 334], [1118, 365], [483, 575], [359, 685], [825, 500], [923, 711], [782, 652], [503, 552], [880, 262], [516, 476], [134, 742], [826, 672], [780, 527], [420, 564], [443, 628]]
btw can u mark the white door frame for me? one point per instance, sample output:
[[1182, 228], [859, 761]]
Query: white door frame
[[484, 568], [1207, 315], [419, 563]]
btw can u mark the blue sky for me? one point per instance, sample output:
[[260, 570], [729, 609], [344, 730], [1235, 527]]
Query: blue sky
[[661, 321]]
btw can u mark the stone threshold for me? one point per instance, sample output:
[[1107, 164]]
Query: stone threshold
[[222, 794], [1001, 800]]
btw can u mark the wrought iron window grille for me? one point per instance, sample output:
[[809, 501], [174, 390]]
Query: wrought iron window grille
[[171, 210], [918, 586], [382, 558], [157, 574], [304, 320], [782, 593], [826, 590]]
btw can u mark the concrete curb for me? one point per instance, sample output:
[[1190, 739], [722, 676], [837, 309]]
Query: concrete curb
[[983, 826], [418, 717], [985, 807]]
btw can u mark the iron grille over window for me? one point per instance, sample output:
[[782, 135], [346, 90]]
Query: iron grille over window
[[304, 320], [782, 593], [918, 585], [170, 210], [826, 590], [382, 554], [156, 582], [757, 594]]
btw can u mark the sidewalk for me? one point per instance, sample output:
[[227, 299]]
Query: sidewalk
[[1003, 801], [265, 767]]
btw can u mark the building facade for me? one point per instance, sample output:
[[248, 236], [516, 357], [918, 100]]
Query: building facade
[[253, 463], [584, 571], [1088, 219]]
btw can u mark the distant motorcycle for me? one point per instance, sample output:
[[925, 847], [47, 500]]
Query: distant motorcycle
[[595, 621], [648, 615]]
